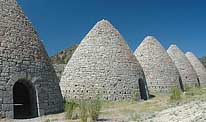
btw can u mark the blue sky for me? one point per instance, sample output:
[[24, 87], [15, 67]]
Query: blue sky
[[63, 23]]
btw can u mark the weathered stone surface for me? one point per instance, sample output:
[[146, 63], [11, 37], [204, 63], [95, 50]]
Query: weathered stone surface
[[23, 57], [198, 66], [187, 72], [102, 64], [160, 72]]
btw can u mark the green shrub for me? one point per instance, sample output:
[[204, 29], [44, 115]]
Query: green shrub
[[83, 107], [94, 108], [175, 93], [69, 108]]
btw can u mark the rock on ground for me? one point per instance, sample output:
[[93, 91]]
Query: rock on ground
[[191, 112]]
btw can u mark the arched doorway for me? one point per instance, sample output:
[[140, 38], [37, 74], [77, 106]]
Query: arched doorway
[[198, 81], [143, 89], [24, 100], [181, 84]]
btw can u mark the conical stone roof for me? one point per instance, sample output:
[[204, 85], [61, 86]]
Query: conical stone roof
[[187, 72], [102, 64], [198, 66], [24, 61], [160, 72]]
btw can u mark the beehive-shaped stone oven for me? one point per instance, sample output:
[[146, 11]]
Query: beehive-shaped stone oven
[[187, 72], [29, 86], [198, 66], [160, 72], [103, 65]]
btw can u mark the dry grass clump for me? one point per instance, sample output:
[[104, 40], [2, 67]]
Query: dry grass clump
[[175, 94], [85, 109]]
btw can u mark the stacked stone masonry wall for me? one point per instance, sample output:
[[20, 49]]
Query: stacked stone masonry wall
[[160, 71], [22, 56], [198, 67], [187, 72], [102, 65]]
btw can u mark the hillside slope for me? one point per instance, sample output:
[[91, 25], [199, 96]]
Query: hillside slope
[[63, 56], [203, 60]]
